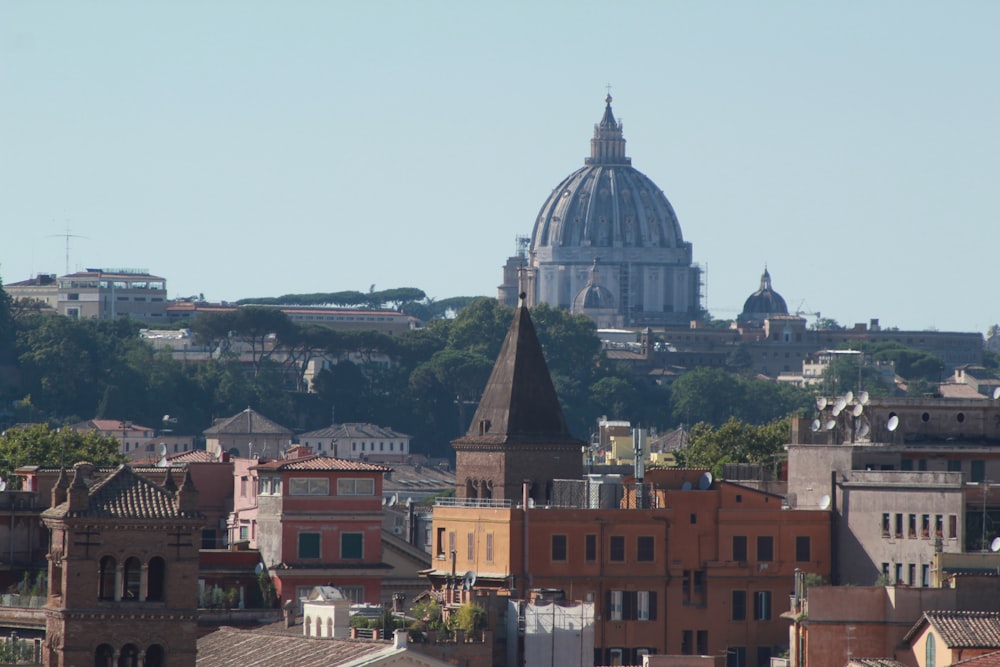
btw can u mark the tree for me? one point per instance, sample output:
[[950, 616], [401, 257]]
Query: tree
[[734, 442], [615, 397], [7, 330], [480, 327], [39, 445], [706, 395]]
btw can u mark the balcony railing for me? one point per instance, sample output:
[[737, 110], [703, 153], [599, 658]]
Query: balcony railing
[[473, 502]]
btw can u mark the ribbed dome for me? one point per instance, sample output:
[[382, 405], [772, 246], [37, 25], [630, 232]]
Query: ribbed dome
[[594, 295], [607, 203], [764, 301]]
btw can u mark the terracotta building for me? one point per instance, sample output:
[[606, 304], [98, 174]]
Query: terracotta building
[[123, 571]]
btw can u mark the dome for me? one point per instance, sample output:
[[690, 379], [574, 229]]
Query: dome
[[763, 302], [594, 295], [607, 202]]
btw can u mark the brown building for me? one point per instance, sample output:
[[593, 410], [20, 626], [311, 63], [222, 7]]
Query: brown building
[[518, 433], [123, 572]]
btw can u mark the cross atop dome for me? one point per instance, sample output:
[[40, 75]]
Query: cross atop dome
[[608, 144]]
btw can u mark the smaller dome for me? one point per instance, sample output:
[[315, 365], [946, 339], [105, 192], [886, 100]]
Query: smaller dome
[[763, 302], [593, 295]]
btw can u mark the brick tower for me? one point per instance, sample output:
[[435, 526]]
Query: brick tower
[[123, 572], [518, 433]]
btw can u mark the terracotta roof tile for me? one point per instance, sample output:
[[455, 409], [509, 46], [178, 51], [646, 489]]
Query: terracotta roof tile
[[125, 495], [317, 462], [987, 660], [962, 629], [874, 662], [229, 647], [353, 430], [193, 456]]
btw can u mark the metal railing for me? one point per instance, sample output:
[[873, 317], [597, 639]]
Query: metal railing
[[473, 502]]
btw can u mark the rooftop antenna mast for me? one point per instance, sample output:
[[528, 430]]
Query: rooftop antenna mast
[[67, 236]]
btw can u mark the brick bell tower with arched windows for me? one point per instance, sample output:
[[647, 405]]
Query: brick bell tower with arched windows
[[123, 571]]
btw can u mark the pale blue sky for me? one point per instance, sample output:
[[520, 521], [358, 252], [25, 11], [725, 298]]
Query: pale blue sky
[[259, 148]]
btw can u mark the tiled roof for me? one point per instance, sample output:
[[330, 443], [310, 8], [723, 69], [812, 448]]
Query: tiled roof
[[987, 660], [125, 495], [962, 629], [874, 662], [109, 425], [229, 647], [316, 462], [247, 422], [193, 456], [354, 431]]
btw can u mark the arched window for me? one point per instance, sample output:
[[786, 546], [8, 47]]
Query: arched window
[[470, 488], [154, 656], [131, 578], [104, 656], [929, 651], [329, 627], [129, 656], [319, 626], [156, 579], [106, 579], [307, 626]]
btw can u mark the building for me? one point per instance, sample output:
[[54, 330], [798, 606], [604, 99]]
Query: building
[[319, 522], [358, 441], [762, 304], [99, 293], [608, 211], [123, 569], [137, 442], [247, 434], [341, 319]]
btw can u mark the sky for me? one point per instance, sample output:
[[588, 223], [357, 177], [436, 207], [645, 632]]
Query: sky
[[246, 149]]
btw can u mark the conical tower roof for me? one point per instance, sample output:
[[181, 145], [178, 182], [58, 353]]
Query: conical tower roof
[[519, 404]]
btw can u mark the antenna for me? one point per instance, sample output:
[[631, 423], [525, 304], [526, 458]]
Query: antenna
[[995, 545], [686, 486], [816, 425], [67, 236], [705, 481], [893, 423], [393, 500], [824, 502], [820, 402]]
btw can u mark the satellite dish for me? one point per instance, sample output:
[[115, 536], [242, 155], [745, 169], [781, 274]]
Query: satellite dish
[[393, 501], [996, 393], [857, 409], [531, 503], [385, 501], [259, 568], [820, 402], [893, 423], [864, 429], [830, 425], [705, 481], [839, 406], [849, 396], [163, 449], [468, 580], [863, 398], [816, 425], [3, 484], [824, 502], [995, 544], [686, 486]]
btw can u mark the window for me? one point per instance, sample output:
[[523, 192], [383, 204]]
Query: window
[[244, 531], [938, 525], [440, 543], [130, 579], [156, 578], [954, 465], [736, 656], [702, 642], [694, 518], [645, 606], [645, 549], [911, 571], [616, 657], [899, 525], [762, 605], [243, 482], [739, 606], [803, 549], [558, 547], [309, 545], [617, 548], [739, 547], [925, 526], [899, 573], [590, 548], [615, 600], [977, 473], [763, 656], [489, 547], [686, 644], [765, 548], [356, 594], [106, 579], [352, 546], [930, 651], [470, 545], [355, 487], [912, 526], [309, 486], [952, 526], [925, 575]]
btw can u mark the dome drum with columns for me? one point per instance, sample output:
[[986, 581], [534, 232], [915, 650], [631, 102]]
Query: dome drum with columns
[[609, 210]]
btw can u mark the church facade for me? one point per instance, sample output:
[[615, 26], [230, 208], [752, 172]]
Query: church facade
[[607, 244]]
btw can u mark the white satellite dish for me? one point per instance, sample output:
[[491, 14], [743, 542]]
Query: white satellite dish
[[259, 568], [393, 500], [163, 449], [849, 396], [863, 398], [839, 406], [996, 393], [385, 501], [893, 423], [705, 481], [830, 425], [824, 502], [864, 429], [686, 486], [816, 425], [468, 580], [995, 544], [3, 484], [820, 402], [857, 409]]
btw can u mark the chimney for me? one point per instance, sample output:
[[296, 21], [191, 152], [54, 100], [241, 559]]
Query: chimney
[[78, 496], [187, 496], [59, 490], [168, 482]]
